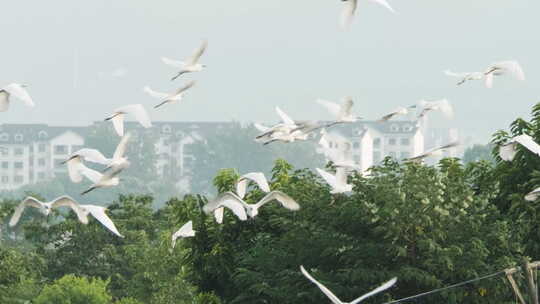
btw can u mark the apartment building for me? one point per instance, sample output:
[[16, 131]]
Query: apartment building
[[32, 152]]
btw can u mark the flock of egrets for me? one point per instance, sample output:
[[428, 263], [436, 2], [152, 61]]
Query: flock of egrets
[[288, 131]]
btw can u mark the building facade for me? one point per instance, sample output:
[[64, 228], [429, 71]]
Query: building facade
[[31, 153]]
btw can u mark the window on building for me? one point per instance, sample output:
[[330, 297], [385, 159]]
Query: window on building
[[356, 145], [4, 137], [18, 151], [76, 148], [42, 135], [5, 165], [41, 162], [60, 149], [356, 159], [405, 154], [4, 151], [377, 142], [394, 128], [407, 128], [18, 179], [5, 179], [166, 129], [41, 175], [18, 137], [392, 141], [405, 141], [376, 156], [18, 165], [41, 148]]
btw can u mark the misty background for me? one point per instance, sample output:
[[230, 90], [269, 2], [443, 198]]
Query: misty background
[[84, 59]]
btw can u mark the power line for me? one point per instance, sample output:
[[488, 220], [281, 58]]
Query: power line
[[447, 287]]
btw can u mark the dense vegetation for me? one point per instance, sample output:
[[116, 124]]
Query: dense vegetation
[[430, 226]]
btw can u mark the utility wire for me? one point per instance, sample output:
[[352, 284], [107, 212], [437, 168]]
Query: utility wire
[[447, 287]]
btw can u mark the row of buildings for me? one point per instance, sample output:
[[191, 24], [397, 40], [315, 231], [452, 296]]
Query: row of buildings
[[32, 153]]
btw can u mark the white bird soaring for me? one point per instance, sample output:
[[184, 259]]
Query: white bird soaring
[[257, 177], [225, 200], [185, 231], [241, 186], [341, 112], [191, 64], [177, 96], [509, 67], [533, 195], [508, 150], [465, 76], [109, 179], [46, 207], [137, 110], [336, 300], [433, 152], [396, 112], [338, 182], [93, 155], [16, 90], [253, 209], [441, 105], [98, 212], [349, 10], [287, 131]]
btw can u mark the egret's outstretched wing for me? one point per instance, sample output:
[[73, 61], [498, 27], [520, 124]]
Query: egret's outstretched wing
[[92, 155], [18, 91], [27, 202], [257, 177], [329, 178], [91, 174], [285, 200], [528, 142], [332, 107], [185, 231], [284, 117], [513, 68], [346, 107], [454, 74], [66, 201], [323, 288], [341, 176], [347, 13], [489, 80], [121, 148], [385, 4], [261, 127], [533, 195], [508, 151], [381, 288], [99, 214], [138, 111], [155, 94], [4, 101], [197, 53], [230, 201], [118, 124], [218, 214], [172, 62], [74, 169]]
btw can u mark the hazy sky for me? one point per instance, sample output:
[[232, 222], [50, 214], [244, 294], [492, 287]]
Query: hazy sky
[[267, 53]]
